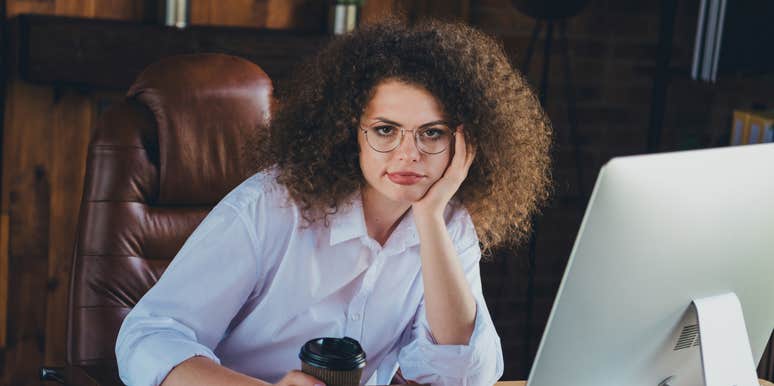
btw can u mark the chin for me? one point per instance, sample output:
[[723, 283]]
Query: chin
[[407, 194]]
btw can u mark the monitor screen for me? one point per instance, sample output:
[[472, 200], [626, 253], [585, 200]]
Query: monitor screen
[[660, 231]]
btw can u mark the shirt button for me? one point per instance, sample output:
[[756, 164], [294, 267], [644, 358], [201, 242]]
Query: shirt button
[[355, 316]]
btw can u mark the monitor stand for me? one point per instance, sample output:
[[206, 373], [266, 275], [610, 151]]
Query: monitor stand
[[726, 356]]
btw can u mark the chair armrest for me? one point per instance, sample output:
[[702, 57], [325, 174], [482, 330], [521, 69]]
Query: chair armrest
[[105, 375], [52, 374]]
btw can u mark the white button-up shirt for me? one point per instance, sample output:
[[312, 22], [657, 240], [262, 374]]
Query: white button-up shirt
[[254, 282]]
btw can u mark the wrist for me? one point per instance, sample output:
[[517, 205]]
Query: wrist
[[428, 210], [425, 216], [429, 225]]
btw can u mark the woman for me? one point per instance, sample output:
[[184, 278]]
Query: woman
[[386, 149]]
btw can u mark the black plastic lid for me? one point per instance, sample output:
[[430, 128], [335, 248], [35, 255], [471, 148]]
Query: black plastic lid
[[333, 353]]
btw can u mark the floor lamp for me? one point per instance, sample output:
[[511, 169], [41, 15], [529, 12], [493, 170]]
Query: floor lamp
[[551, 14]]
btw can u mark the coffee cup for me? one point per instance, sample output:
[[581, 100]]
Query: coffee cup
[[335, 361]]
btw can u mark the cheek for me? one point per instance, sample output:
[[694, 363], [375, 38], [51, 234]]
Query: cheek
[[438, 165], [371, 164]]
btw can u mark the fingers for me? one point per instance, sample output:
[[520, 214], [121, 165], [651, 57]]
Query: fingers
[[463, 153], [297, 378], [460, 151], [470, 152]]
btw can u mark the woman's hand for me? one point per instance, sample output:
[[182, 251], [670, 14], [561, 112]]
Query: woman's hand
[[434, 201], [297, 378], [449, 301], [199, 370]]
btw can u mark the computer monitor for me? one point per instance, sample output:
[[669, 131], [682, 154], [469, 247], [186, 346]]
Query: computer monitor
[[660, 231]]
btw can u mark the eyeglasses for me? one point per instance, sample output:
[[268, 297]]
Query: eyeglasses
[[434, 138]]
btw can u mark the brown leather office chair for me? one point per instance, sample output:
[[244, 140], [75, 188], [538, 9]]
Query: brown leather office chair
[[158, 162]]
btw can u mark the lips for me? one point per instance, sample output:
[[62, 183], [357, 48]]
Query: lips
[[405, 178]]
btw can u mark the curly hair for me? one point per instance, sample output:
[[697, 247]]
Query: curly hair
[[312, 138]]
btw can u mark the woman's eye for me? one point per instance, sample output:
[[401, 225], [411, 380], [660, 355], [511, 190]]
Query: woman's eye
[[385, 130], [433, 133]]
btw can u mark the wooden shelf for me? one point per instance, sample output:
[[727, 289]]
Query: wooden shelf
[[109, 54]]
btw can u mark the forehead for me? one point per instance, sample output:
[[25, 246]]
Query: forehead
[[404, 103]]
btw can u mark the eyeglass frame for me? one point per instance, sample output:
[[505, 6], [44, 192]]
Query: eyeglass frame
[[403, 130]]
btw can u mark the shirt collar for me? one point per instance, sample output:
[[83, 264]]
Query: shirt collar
[[349, 223]]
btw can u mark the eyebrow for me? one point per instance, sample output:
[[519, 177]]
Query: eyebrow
[[385, 120]]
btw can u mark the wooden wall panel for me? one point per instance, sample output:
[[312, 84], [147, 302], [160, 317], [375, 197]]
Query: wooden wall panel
[[46, 133], [440, 9], [107, 9], [242, 13], [375, 10], [414, 10], [4, 232], [26, 148], [74, 8], [283, 13], [71, 131], [15, 7], [26, 192], [306, 15]]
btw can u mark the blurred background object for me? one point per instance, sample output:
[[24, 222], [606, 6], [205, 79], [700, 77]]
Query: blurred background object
[[344, 16], [548, 14], [731, 39], [175, 13], [550, 9]]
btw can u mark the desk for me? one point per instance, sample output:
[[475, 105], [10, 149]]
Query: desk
[[523, 383]]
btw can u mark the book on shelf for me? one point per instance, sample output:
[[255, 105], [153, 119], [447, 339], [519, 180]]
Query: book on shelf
[[752, 126]]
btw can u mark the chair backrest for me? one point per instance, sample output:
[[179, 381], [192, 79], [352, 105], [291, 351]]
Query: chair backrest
[[158, 162]]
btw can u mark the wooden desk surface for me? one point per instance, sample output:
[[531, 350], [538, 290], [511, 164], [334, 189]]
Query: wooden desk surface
[[523, 383]]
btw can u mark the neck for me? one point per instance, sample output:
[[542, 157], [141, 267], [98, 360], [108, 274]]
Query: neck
[[382, 215]]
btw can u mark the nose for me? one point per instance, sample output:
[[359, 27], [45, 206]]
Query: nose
[[407, 150]]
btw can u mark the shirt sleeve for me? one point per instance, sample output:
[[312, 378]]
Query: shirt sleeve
[[480, 362], [187, 312]]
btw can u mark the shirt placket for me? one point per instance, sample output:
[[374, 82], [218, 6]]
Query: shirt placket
[[356, 311]]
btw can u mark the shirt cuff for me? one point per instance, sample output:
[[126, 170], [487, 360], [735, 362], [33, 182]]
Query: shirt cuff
[[151, 360], [425, 355]]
